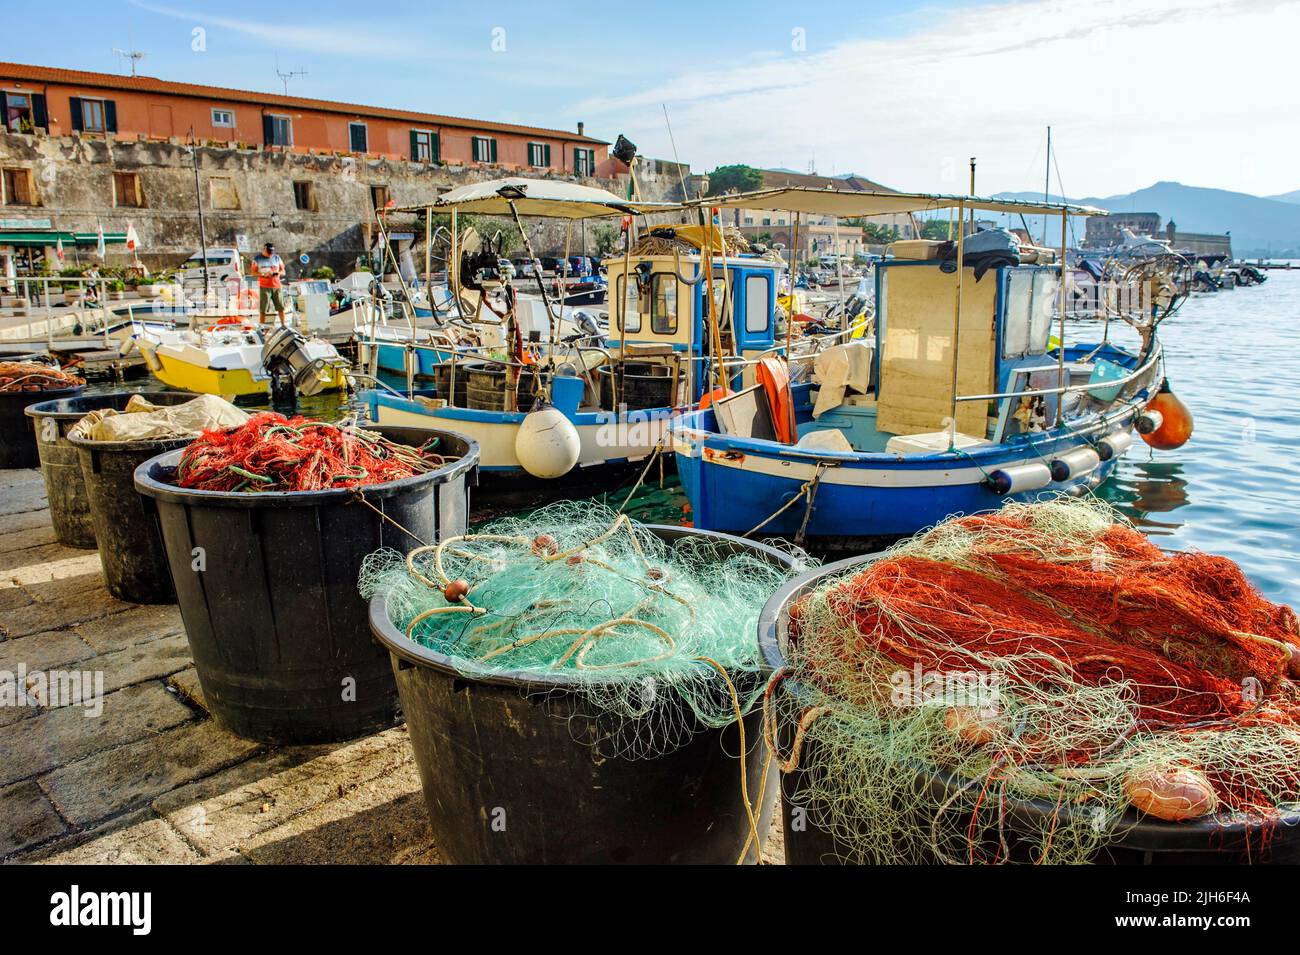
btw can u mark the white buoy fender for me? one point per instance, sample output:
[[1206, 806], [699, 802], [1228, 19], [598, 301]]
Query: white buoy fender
[[1074, 462], [1015, 478], [1149, 421], [547, 443], [1114, 444]]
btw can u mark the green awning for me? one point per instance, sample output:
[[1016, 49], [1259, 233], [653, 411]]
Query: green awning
[[38, 239]]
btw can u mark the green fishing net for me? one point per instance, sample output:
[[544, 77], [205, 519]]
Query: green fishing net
[[658, 638]]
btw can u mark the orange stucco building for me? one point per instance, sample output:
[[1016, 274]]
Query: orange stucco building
[[64, 102]]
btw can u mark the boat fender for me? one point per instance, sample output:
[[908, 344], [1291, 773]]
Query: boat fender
[[547, 444], [1175, 421], [1074, 463], [1149, 421], [1114, 445], [1015, 478]]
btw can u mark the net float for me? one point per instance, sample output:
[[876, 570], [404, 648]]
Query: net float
[[975, 726], [1171, 793], [456, 591], [1293, 660], [544, 545], [1168, 419]]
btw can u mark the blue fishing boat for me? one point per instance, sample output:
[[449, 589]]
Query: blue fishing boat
[[548, 398], [960, 400]]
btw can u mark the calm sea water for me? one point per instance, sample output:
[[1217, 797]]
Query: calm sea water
[[1234, 489]]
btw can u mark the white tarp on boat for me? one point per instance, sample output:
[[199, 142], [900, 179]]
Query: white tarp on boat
[[839, 368]]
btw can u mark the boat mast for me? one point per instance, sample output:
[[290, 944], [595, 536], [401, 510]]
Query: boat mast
[[198, 198], [1047, 183]]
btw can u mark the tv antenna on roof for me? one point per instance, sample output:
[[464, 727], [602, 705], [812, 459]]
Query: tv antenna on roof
[[133, 56], [286, 77]]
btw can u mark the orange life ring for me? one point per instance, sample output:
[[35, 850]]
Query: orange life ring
[[772, 374]]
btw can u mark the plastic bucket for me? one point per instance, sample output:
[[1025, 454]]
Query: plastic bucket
[[267, 587], [17, 438], [125, 523], [510, 776], [60, 466], [1211, 840]]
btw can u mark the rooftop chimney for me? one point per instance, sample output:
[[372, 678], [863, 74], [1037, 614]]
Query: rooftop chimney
[[580, 125]]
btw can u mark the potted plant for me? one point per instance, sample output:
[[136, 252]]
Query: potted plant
[[116, 290]]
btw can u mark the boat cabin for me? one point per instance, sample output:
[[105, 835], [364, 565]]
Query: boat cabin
[[658, 314]]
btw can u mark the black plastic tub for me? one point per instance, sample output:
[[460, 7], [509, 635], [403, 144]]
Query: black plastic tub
[[510, 774], [60, 466], [17, 437], [267, 587], [125, 522], [1145, 841]]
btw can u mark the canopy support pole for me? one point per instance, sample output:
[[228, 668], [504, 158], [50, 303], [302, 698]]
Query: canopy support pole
[[956, 325], [1060, 335]]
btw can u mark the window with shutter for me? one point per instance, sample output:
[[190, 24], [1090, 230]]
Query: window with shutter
[[485, 149], [424, 146], [358, 140], [91, 115], [277, 130]]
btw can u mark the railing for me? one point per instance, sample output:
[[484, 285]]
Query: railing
[[39, 291], [1066, 389]]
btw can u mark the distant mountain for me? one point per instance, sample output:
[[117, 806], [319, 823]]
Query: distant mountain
[[1287, 197], [1259, 226]]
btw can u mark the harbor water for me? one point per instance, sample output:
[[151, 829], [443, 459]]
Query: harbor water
[[1234, 489]]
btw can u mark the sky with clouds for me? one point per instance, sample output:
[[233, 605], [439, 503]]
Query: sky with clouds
[[1135, 90]]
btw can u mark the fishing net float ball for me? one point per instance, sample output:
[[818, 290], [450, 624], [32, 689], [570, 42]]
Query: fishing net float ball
[[547, 444]]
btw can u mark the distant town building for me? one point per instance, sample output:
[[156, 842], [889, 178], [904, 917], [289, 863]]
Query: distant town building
[[817, 234], [1105, 232], [61, 101]]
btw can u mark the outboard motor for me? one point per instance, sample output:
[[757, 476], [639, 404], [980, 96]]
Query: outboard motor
[[294, 370], [586, 323]]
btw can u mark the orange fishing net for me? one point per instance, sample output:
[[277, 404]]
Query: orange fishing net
[[1107, 664], [35, 376], [270, 452]]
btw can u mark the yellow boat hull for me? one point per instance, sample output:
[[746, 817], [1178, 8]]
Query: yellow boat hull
[[229, 382], [209, 381]]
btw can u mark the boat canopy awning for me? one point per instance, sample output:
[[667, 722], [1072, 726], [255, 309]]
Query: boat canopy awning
[[38, 239], [844, 204], [545, 198]]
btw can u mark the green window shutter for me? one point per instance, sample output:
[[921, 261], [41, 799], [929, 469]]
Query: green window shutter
[[493, 144], [415, 153], [74, 111], [546, 155], [435, 147], [110, 116]]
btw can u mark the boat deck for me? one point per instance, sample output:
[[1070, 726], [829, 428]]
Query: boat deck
[[152, 778]]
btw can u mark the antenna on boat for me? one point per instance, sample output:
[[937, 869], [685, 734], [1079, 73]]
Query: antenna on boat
[[677, 161]]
